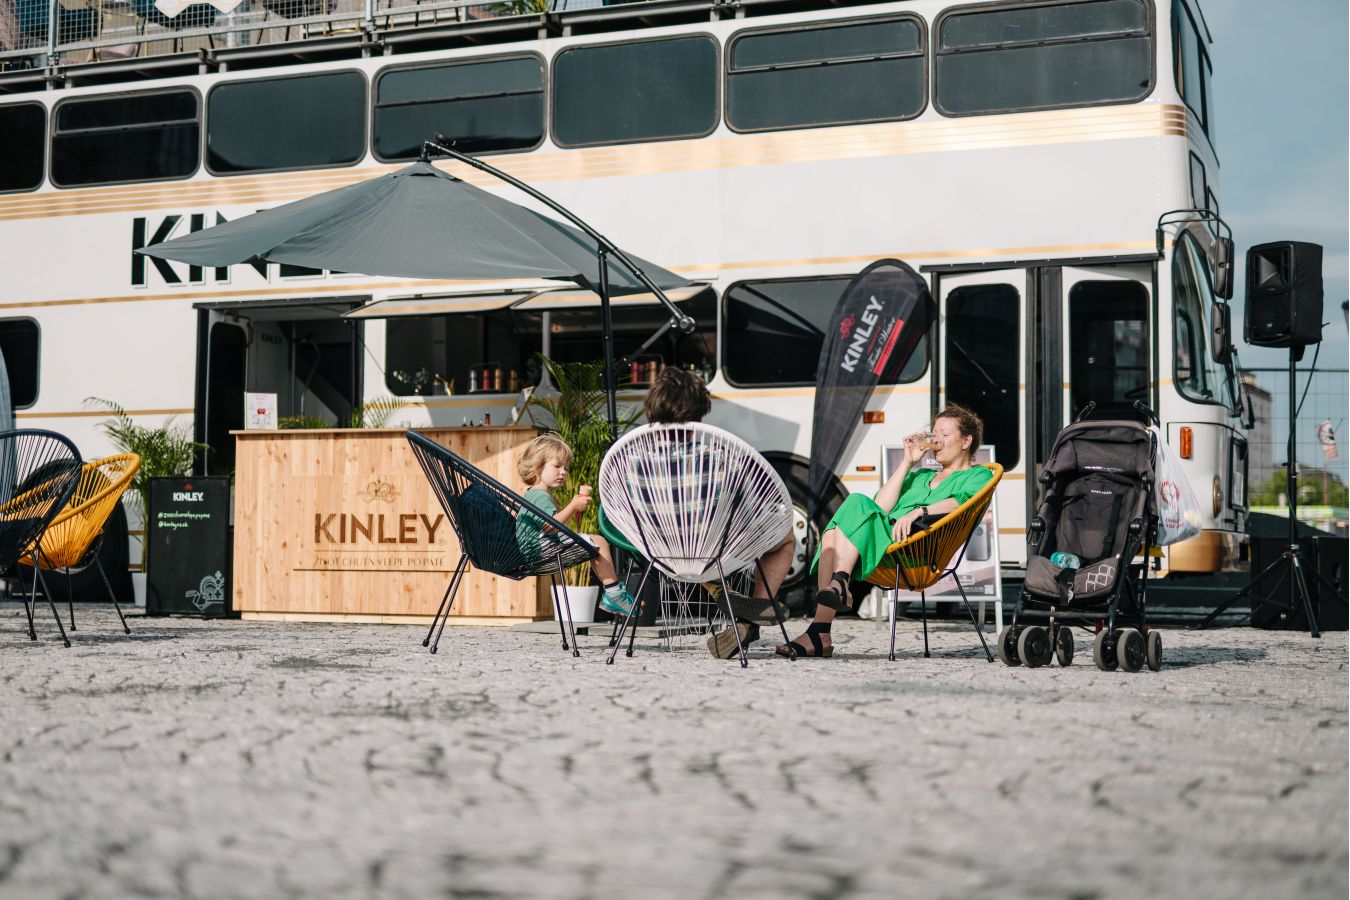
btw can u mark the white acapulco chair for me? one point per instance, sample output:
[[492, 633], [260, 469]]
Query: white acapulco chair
[[697, 502]]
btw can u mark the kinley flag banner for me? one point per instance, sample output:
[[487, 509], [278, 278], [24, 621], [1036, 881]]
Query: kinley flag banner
[[882, 316]]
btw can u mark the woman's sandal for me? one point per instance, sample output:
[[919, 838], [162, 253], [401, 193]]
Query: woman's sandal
[[836, 596], [817, 650]]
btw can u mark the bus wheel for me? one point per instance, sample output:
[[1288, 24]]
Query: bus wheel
[[799, 588]]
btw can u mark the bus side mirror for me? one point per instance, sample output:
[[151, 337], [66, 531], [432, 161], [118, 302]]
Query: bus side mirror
[[1223, 267], [1221, 332]]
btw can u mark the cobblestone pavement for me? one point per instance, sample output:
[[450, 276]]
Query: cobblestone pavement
[[237, 759]]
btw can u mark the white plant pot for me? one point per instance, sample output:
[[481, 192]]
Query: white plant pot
[[138, 586], [581, 600]]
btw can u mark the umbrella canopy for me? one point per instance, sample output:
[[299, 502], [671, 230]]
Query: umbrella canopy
[[418, 222]]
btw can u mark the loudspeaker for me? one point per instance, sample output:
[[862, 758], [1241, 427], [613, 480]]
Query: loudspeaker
[[1325, 554], [1284, 294]]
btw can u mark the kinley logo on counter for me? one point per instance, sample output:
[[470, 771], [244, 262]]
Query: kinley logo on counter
[[378, 541]]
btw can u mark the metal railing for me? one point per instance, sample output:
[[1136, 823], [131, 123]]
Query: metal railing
[[91, 31]]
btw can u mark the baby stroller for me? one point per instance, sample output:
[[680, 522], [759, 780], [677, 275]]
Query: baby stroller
[[1098, 505]]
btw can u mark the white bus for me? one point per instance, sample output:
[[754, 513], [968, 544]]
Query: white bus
[[1019, 154]]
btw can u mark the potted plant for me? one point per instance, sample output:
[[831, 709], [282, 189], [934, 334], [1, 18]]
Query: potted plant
[[165, 450], [572, 402]]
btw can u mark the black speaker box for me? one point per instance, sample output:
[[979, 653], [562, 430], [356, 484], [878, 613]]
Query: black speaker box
[[1325, 554], [1284, 294]]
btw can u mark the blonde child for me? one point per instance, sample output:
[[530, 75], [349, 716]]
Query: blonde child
[[543, 468]]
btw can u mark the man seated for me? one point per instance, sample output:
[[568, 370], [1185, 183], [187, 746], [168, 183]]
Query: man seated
[[676, 397]]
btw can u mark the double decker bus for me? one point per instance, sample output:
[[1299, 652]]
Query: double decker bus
[[1021, 155]]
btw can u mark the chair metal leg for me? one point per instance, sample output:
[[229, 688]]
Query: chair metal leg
[[117, 606], [449, 601], [626, 621], [979, 626], [923, 612], [781, 616], [557, 591], [449, 590], [27, 608], [894, 604], [70, 600], [567, 606], [37, 576], [614, 631], [731, 614]]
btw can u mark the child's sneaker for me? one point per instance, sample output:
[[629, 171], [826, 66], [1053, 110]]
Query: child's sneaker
[[616, 600]]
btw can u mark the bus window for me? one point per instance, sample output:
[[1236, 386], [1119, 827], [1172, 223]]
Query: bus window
[[131, 137], [790, 316], [307, 122], [1199, 186], [575, 335], [981, 347], [1108, 347], [426, 354], [1190, 64], [20, 342], [828, 74], [483, 106], [1043, 56], [24, 126], [1196, 374], [430, 355], [652, 90]]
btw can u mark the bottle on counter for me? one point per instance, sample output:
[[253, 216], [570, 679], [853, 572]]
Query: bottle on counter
[[487, 418], [473, 383], [514, 384]]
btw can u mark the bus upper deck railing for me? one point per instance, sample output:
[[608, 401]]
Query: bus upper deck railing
[[93, 36]]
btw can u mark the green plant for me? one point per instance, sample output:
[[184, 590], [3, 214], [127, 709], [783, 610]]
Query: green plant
[[577, 412], [164, 451], [375, 414]]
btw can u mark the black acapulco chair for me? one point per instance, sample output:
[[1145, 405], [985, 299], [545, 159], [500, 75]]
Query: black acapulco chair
[[39, 472], [483, 512]]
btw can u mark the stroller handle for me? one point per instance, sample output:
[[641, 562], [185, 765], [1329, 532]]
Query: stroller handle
[[1149, 415]]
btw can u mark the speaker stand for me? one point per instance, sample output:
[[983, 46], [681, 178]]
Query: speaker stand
[[1291, 561]]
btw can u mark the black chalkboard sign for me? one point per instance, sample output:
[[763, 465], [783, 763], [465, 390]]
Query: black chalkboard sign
[[187, 544]]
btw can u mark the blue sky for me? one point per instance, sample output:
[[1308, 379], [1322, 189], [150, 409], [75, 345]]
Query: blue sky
[[1282, 96], [1282, 102]]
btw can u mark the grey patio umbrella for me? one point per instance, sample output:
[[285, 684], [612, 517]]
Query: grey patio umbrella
[[421, 222]]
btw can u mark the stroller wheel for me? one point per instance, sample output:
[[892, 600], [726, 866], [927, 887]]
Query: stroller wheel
[[1064, 645], [1104, 651], [1007, 647], [1130, 649], [1154, 651], [1033, 646]]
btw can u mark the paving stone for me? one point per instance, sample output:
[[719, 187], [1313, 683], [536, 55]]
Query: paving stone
[[245, 759]]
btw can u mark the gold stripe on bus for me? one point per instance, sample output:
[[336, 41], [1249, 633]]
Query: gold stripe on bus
[[99, 413], [354, 287], [631, 160], [578, 161]]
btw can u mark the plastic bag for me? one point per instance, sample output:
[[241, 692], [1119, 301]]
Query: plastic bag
[[1178, 510]]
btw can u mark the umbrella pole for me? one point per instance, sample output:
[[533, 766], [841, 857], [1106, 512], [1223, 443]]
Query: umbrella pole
[[607, 329]]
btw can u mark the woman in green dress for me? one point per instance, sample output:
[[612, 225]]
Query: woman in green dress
[[864, 527]]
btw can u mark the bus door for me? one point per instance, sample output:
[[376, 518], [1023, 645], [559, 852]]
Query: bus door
[[303, 351], [1092, 343], [982, 354]]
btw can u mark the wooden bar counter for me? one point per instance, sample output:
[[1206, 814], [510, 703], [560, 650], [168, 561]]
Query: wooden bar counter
[[341, 524]]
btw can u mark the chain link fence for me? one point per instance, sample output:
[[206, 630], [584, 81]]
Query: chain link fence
[[1320, 447]]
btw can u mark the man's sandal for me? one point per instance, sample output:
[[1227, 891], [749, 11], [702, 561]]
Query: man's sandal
[[723, 644]]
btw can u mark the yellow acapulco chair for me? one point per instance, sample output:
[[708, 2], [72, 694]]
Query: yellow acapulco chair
[[73, 538], [933, 553]]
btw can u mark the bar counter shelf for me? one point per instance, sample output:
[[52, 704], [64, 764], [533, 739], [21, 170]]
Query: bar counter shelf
[[341, 525]]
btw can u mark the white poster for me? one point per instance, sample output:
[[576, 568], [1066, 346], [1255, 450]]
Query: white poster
[[260, 412]]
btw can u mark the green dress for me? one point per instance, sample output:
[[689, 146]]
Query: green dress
[[868, 527]]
